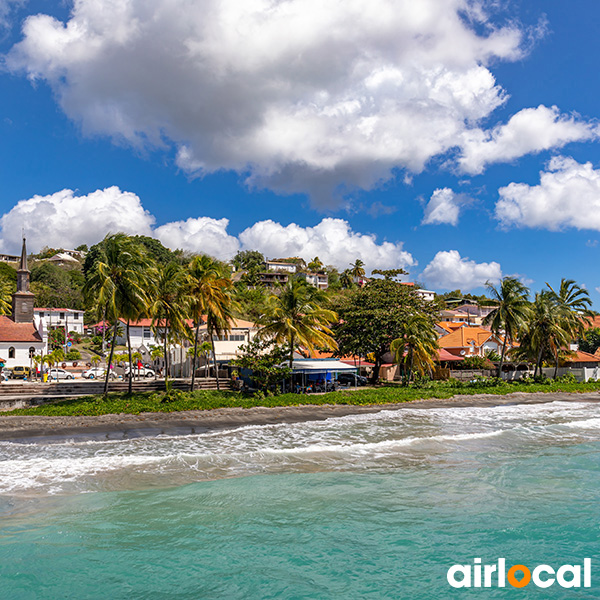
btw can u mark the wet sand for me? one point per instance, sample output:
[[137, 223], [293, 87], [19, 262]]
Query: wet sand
[[123, 426]]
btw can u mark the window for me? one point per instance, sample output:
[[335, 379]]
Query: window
[[41, 315], [31, 352], [76, 315], [147, 333], [62, 315], [11, 352], [237, 337]]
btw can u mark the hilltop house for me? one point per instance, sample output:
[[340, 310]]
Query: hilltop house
[[470, 341]]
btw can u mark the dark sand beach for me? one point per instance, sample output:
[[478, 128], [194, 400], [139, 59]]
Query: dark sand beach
[[123, 426]]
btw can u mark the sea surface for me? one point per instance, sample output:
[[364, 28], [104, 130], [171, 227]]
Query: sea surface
[[369, 506]]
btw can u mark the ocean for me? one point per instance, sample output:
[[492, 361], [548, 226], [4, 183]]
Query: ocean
[[365, 506]]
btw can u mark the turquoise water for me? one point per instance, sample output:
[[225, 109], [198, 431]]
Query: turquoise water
[[372, 506]]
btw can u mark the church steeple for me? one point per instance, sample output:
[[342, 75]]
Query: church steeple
[[22, 305]]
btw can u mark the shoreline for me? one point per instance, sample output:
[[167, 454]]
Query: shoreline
[[128, 426]]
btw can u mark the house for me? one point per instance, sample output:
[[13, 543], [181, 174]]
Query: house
[[280, 266], [62, 259], [428, 295], [459, 316], [470, 341], [318, 280], [8, 258], [67, 318], [272, 279], [22, 336]]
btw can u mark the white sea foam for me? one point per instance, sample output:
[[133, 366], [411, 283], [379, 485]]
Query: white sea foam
[[386, 439]]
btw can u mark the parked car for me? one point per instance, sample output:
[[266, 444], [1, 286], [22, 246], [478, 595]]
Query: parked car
[[140, 372], [351, 379], [6, 374], [20, 373], [97, 373], [59, 374]]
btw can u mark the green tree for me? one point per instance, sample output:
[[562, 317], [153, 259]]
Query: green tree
[[248, 260], [315, 265], [297, 317], [357, 271], [373, 316], [511, 311], [210, 300], [417, 346], [574, 307], [264, 358], [589, 340], [119, 281], [346, 279], [7, 288], [169, 307]]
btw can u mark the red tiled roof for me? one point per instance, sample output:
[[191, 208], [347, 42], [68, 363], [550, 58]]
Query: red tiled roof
[[461, 338], [580, 356], [444, 355], [17, 332]]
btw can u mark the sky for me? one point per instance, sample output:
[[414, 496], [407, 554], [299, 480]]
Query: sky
[[456, 139]]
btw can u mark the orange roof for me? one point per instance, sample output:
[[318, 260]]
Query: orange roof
[[593, 322], [17, 332], [462, 337], [450, 326], [444, 355], [580, 356]]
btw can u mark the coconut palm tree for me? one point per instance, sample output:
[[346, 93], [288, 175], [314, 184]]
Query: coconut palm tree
[[573, 303], [297, 317], [6, 290], [346, 280], [545, 333], [357, 271], [315, 265], [417, 346], [119, 281], [512, 309], [210, 302], [169, 307]]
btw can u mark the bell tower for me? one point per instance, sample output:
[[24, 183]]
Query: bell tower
[[22, 304]]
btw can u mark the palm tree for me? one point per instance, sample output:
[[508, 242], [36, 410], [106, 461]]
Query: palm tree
[[573, 303], [417, 346], [544, 334], [357, 270], [119, 281], [6, 290], [210, 298], [512, 308], [297, 317], [346, 280], [315, 265], [169, 306]]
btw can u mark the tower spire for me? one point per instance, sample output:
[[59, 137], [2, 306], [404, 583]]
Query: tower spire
[[23, 263], [23, 299]]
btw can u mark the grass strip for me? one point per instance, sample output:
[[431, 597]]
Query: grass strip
[[119, 403]]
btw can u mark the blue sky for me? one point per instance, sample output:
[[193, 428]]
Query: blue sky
[[215, 128]]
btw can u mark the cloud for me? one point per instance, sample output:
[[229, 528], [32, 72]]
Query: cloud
[[332, 240], [5, 8], [530, 130], [203, 234], [449, 271], [301, 95], [443, 207], [568, 195], [65, 219]]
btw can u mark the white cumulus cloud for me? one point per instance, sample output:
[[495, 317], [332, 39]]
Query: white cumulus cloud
[[568, 195], [300, 95], [443, 207], [203, 234], [332, 240], [449, 271], [530, 130], [66, 220]]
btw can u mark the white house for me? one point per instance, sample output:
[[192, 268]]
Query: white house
[[318, 280], [21, 335], [140, 334], [67, 318], [275, 265]]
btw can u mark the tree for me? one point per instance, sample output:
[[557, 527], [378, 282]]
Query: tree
[[210, 297], [204, 350], [119, 281], [248, 260], [297, 317], [512, 309], [573, 304], [169, 307], [346, 279], [417, 346], [357, 270], [544, 334], [264, 358], [7, 288], [373, 316], [315, 265], [589, 340]]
